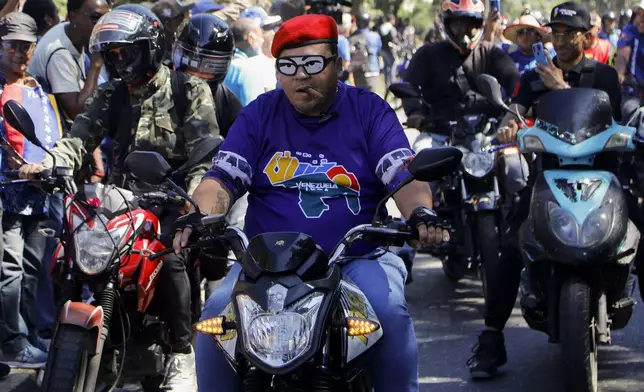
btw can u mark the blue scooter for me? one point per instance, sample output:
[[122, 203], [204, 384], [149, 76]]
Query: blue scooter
[[577, 244]]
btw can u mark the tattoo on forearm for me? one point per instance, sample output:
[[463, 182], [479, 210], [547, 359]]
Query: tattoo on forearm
[[223, 201]]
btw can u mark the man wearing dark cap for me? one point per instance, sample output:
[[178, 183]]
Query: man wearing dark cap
[[273, 151], [570, 23]]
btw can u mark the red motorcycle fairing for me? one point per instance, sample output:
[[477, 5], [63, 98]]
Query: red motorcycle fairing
[[140, 223]]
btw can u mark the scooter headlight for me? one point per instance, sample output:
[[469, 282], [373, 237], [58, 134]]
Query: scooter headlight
[[563, 225], [478, 164], [279, 338], [597, 225]]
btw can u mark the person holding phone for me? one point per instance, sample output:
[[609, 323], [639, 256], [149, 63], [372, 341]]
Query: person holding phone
[[524, 35], [570, 23]]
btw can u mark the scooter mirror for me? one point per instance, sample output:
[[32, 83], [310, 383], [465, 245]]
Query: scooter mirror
[[405, 90], [148, 166], [436, 163], [490, 88]]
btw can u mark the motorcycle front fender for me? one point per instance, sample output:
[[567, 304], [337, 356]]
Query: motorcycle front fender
[[85, 316]]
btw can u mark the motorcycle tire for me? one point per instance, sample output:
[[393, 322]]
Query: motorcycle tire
[[577, 337], [67, 360], [487, 234], [454, 267]]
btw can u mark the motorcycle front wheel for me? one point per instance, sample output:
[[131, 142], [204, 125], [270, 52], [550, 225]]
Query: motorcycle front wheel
[[487, 233], [577, 337], [67, 360]]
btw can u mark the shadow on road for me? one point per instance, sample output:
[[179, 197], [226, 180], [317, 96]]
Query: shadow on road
[[449, 315]]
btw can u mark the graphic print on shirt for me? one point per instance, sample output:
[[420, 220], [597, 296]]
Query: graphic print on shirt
[[316, 181]]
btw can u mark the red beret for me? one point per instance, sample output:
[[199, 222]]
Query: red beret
[[304, 30]]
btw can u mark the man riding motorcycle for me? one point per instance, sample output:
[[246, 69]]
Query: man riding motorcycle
[[570, 22], [139, 112], [446, 71], [273, 150]]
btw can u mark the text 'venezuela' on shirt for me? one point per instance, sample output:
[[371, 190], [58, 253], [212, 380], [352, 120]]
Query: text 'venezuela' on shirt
[[310, 176]]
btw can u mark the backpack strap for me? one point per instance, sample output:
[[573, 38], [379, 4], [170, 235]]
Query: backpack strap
[[178, 82], [587, 78], [49, 60]]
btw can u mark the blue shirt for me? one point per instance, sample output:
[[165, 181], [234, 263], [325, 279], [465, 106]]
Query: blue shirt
[[524, 63], [613, 37], [374, 47], [308, 176], [632, 38], [246, 83], [344, 48]]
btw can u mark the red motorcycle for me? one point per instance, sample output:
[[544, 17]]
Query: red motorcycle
[[110, 246]]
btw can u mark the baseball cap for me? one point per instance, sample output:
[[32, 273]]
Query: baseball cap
[[18, 26], [570, 14], [265, 21], [206, 6], [595, 20]]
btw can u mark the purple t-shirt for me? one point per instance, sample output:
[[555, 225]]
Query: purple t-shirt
[[318, 176]]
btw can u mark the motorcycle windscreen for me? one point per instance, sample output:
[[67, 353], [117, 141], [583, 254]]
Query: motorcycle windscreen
[[574, 115], [282, 252]]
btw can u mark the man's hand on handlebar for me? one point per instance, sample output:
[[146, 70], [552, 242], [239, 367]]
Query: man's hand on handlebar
[[431, 229], [183, 230], [30, 171], [508, 134]]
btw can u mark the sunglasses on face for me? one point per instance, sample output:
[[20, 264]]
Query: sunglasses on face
[[312, 65], [18, 46], [528, 32]]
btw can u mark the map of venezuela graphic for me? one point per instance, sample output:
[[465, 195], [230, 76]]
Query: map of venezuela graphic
[[316, 181]]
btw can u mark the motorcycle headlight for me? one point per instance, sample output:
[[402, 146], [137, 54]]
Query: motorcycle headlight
[[277, 339], [563, 225], [478, 164], [94, 247], [596, 227]]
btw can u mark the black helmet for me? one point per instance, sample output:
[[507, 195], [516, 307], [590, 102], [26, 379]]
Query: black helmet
[[609, 15], [204, 47], [138, 34], [363, 20]]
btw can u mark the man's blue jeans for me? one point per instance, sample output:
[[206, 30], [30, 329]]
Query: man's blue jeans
[[393, 362]]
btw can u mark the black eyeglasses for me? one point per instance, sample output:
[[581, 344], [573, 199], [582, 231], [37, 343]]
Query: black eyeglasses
[[18, 46], [312, 65]]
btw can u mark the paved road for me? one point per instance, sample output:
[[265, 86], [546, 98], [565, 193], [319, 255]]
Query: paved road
[[448, 316]]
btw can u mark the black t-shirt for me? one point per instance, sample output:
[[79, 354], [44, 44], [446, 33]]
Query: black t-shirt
[[227, 107], [530, 87], [433, 68]]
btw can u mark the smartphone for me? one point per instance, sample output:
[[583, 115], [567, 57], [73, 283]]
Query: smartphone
[[495, 4], [539, 53]]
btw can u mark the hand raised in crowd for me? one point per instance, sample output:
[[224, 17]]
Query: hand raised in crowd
[[30, 171], [552, 76]]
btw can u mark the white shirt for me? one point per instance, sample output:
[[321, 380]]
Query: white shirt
[[66, 69], [265, 66]]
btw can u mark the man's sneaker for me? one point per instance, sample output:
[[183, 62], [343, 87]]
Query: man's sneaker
[[4, 370], [489, 354], [28, 358], [180, 373], [41, 344]]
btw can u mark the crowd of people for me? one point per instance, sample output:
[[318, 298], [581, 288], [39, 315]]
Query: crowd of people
[[84, 82]]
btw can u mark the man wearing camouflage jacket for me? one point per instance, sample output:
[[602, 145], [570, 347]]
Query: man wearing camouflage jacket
[[142, 111]]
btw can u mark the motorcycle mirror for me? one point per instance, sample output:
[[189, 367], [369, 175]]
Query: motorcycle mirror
[[148, 166], [204, 150], [405, 90], [490, 88], [436, 163], [16, 115]]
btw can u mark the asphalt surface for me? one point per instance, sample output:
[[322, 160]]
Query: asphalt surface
[[448, 316]]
